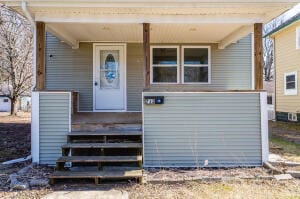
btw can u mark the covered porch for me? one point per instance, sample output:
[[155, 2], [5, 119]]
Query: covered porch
[[191, 73]]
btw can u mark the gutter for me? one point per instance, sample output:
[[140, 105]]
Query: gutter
[[33, 115], [27, 13]]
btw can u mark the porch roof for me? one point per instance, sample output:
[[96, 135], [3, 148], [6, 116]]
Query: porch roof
[[172, 21]]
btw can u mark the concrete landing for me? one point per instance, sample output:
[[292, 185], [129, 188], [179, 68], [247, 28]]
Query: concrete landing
[[111, 194]]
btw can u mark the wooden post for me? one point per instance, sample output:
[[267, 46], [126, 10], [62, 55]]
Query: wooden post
[[40, 56], [258, 57], [146, 51]]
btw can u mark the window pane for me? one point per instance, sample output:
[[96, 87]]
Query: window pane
[[195, 74], [165, 74], [163, 56], [109, 69], [290, 85], [195, 56], [290, 78]]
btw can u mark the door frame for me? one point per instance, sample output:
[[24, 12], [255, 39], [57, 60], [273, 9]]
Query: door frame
[[124, 45]]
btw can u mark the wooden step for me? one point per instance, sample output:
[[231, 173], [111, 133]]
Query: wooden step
[[101, 145], [107, 127], [104, 133], [92, 159], [97, 175]]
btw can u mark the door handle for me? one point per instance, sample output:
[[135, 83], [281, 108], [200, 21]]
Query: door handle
[[96, 83]]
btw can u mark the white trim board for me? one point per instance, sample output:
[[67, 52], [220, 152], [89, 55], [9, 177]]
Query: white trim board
[[264, 127], [195, 92], [252, 62], [70, 112], [143, 131], [125, 76], [35, 127]]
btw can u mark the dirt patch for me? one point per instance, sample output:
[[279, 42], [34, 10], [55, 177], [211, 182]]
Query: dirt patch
[[14, 136]]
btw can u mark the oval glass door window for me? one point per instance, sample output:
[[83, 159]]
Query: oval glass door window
[[109, 69]]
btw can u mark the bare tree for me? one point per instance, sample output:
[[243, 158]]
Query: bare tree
[[16, 40], [268, 52]]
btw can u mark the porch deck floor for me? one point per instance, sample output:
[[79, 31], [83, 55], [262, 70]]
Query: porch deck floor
[[107, 118]]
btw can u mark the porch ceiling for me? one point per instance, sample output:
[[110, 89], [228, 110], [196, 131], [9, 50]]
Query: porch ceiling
[[160, 33]]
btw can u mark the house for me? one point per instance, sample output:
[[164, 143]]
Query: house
[[25, 104], [148, 84], [286, 38], [5, 103]]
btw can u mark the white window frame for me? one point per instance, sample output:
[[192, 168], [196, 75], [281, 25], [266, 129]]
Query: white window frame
[[298, 38], [291, 91], [172, 65], [193, 65]]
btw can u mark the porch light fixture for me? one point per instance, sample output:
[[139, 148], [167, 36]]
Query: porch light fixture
[[105, 28]]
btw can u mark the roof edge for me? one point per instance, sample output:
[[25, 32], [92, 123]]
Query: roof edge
[[286, 24]]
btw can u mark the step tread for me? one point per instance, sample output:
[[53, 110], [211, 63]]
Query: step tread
[[102, 145], [97, 174], [103, 133], [100, 158]]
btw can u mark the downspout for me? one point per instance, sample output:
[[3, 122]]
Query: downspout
[[34, 96], [32, 23]]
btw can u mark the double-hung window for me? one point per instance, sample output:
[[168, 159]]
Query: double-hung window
[[164, 64], [290, 83], [196, 64]]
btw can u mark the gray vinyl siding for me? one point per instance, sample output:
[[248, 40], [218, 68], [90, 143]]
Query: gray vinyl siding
[[53, 125], [189, 128], [70, 69], [135, 77], [73, 69]]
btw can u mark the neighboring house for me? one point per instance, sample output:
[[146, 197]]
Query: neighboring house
[[25, 103], [148, 83], [287, 70], [5, 103]]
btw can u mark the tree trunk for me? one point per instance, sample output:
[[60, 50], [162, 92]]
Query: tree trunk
[[13, 109]]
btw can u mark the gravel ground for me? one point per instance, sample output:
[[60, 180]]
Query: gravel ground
[[190, 174], [246, 189]]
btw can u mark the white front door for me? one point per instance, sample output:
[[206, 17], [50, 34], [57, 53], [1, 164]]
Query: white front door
[[109, 77]]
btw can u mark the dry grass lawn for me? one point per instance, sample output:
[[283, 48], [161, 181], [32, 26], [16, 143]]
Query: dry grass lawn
[[235, 189], [288, 150], [252, 189]]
